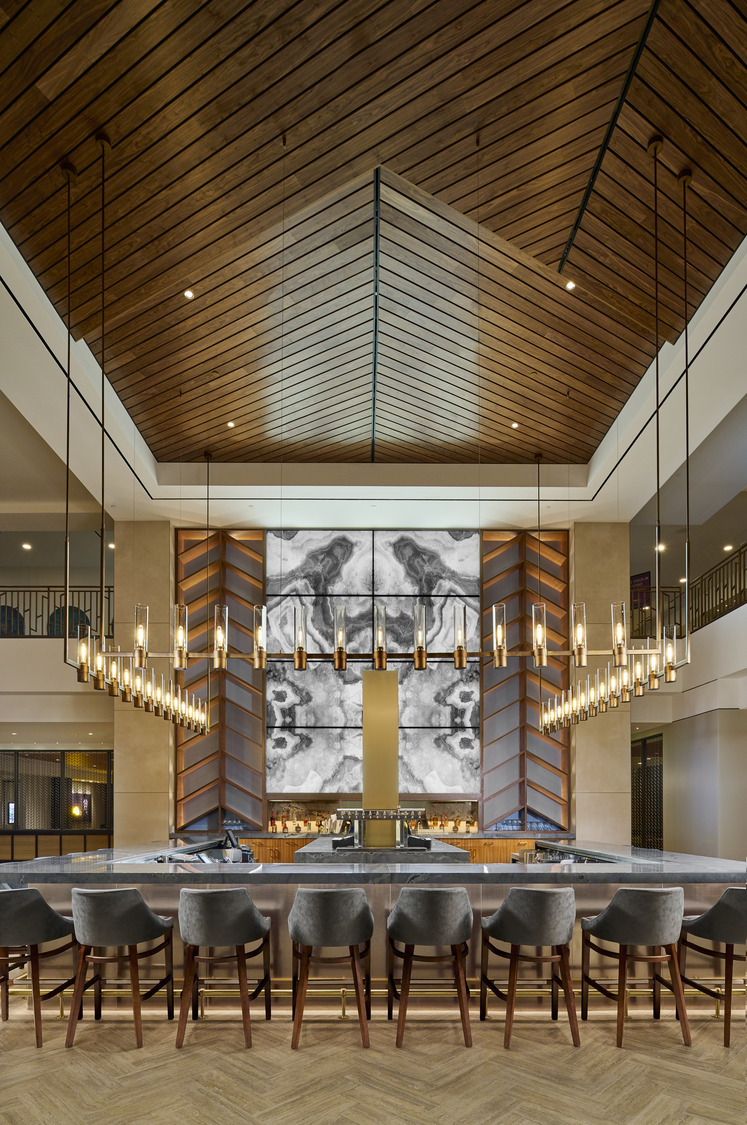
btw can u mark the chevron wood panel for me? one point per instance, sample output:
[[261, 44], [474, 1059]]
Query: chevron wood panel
[[221, 776], [525, 774]]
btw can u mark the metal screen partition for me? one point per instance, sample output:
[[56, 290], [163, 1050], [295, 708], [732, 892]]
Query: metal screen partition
[[56, 791], [221, 775], [647, 800], [525, 774]]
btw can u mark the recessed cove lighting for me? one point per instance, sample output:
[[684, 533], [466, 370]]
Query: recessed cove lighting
[[728, 547], [514, 425], [188, 294], [26, 546], [230, 425], [570, 285]]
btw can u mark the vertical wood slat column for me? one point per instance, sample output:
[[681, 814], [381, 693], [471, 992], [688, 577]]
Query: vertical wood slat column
[[523, 771], [221, 775]]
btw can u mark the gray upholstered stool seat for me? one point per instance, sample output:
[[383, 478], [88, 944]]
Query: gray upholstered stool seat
[[115, 918], [428, 916], [538, 918], [725, 923], [27, 921], [222, 918], [641, 916], [333, 918]]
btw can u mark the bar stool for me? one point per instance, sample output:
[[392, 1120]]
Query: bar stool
[[538, 918], [428, 916], [220, 918], [647, 916], [725, 922], [115, 918], [331, 918], [26, 922]]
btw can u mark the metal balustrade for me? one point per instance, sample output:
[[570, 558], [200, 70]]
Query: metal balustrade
[[720, 590], [39, 611]]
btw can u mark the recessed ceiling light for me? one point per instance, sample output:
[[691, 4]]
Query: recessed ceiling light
[[514, 425], [90, 733], [570, 285], [26, 546], [188, 294], [230, 425], [14, 732], [728, 547], [661, 547], [683, 580], [111, 546]]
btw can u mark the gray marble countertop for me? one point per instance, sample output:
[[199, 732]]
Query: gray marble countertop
[[620, 864], [321, 851]]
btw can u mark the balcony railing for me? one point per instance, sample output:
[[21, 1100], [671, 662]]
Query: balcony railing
[[714, 594], [39, 611]]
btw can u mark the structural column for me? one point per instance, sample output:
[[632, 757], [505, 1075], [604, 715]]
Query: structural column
[[143, 744], [600, 747]]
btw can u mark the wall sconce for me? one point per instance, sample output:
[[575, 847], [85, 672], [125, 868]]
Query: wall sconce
[[299, 634], [220, 636], [84, 652], [126, 686], [539, 634], [419, 650], [619, 635], [140, 654], [670, 653], [578, 617], [260, 636], [379, 654], [340, 655], [500, 652], [181, 637], [460, 635]]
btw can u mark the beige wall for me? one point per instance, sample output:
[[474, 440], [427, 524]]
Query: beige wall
[[143, 744], [600, 747]]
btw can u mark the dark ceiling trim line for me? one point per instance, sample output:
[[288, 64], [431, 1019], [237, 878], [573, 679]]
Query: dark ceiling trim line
[[610, 130], [372, 499], [376, 275]]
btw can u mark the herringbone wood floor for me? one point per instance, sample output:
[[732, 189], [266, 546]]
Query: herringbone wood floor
[[331, 1080]]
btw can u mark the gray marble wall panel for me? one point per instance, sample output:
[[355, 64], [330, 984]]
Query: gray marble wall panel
[[314, 718]]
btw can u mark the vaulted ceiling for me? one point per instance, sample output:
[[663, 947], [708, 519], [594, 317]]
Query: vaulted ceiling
[[377, 206]]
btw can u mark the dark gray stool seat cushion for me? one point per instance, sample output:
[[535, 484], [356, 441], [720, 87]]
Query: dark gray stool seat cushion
[[224, 917], [726, 920], [530, 916], [26, 918], [640, 916], [330, 917], [116, 917], [431, 916]]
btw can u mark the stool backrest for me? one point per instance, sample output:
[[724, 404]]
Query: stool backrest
[[726, 921], [221, 917], [115, 917], [330, 917], [26, 918], [531, 916], [643, 916], [431, 916]]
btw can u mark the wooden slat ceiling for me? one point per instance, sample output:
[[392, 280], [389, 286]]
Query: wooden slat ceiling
[[345, 314]]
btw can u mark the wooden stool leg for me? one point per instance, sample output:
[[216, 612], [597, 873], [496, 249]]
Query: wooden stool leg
[[728, 984], [266, 972], [295, 957], [483, 978], [585, 962], [135, 986], [367, 978], [679, 995], [190, 968], [244, 994], [656, 985], [4, 976], [554, 990], [389, 978], [36, 992], [97, 981], [303, 981], [461, 987], [513, 973], [404, 993], [622, 979], [360, 992], [169, 956], [570, 1000], [80, 980]]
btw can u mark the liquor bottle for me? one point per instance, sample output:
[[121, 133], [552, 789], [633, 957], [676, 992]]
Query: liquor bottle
[[273, 825], [285, 825]]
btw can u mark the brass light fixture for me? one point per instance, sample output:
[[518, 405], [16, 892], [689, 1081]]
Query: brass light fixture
[[299, 638], [340, 656], [419, 642], [460, 636], [500, 656], [379, 654]]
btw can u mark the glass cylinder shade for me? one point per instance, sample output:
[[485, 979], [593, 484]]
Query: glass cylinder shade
[[578, 617], [260, 636], [460, 635], [141, 636], [114, 667], [299, 637], [340, 646], [539, 634], [379, 645], [150, 690], [168, 702], [125, 672], [499, 635], [637, 661], [669, 637], [99, 679], [84, 652], [181, 638], [158, 701], [613, 680], [654, 666], [419, 638], [220, 636], [619, 634], [137, 688]]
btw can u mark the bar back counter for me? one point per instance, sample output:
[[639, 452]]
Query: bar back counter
[[594, 870]]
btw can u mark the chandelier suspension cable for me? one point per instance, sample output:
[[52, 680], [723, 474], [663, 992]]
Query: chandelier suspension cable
[[70, 174], [104, 145], [654, 149], [685, 179]]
